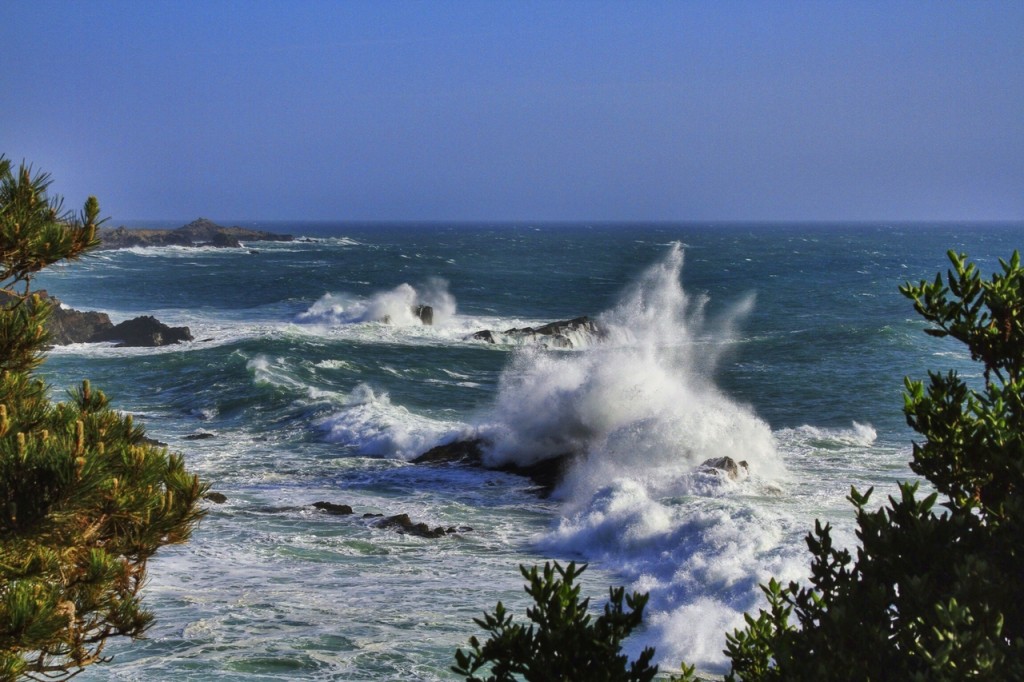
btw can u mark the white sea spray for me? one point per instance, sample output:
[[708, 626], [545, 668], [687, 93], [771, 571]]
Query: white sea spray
[[645, 397], [396, 306], [641, 412]]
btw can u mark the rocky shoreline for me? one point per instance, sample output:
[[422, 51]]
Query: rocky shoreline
[[200, 232], [66, 326]]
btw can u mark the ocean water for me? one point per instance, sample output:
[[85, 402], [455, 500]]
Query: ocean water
[[781, 345]]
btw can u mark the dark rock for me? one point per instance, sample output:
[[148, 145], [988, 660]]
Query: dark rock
[[331, 508], [216, 498], [425, 313], [583, 323], [200, 436], [145, 331], [199, 231], [203, 230], [399, 522], [66, 325], [727, 466], [459, 451], [225, 241], [555, 334], [73, 326], [547, 473], [485, 335], [403, 524]]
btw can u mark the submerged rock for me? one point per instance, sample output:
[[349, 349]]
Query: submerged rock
[[216, 498], [331, 508], [400, 522], [554, 334], [404, 524]]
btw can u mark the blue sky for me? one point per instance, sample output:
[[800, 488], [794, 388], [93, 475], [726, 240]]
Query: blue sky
[[522, 110]]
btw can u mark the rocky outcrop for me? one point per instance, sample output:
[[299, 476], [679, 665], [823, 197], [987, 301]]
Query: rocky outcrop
[[425, 313], [467, 452], [726, 466], [553, 335], [225, 241], [67, 325], [74, 326], [331, 508], [201, 232], [399, 522], [546, 473], [145, 331], [403, 524]]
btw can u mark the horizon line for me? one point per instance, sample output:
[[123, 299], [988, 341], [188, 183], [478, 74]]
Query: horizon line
[[127, 222]]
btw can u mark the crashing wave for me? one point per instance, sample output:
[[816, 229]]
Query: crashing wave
[[405, 305]]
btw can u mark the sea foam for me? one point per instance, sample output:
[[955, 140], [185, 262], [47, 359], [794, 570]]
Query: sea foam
[[374, 426]]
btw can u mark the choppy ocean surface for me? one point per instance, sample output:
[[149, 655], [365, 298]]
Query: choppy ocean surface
[[781, 345]]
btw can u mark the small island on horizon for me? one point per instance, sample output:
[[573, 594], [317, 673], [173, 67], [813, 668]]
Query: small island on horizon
[[200, 232]]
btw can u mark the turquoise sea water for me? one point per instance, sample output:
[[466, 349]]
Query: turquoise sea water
[[784, 345]]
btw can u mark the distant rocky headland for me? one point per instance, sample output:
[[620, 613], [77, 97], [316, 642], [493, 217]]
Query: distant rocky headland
[[201, 232]]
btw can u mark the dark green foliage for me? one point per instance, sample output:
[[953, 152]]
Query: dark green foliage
[[563, 642], [85, 501], [932, 594]]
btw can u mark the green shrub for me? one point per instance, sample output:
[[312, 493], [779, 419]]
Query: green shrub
[[564, 642], [933, 593], [85, 499]]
